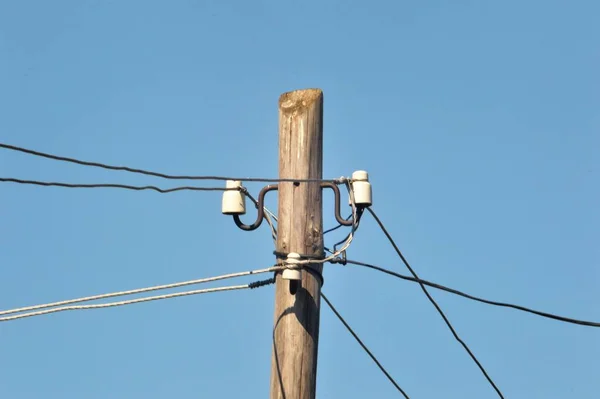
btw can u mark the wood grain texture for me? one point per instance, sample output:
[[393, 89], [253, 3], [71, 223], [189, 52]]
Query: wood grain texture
[[299, 229]]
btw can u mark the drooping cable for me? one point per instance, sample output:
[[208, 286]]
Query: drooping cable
[[121, 303], [359, 212], [139, 300], [121, 186], [140, 290], [434, 303], [371, 355], [474, 298], [156, 174]]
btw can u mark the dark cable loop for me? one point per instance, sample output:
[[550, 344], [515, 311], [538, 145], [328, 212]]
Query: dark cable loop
[[434, 303], [316, 273], [371, 355], [259, 206], [256, 204], [161, 175], [324, 184], [336, 192]]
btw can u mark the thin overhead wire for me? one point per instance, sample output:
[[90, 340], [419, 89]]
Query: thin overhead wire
[[268, 215], [157, 174], [122, 303], [121, 186], [361, 343], [336, 227], [332, 229], [138, 300], [474, 298], [352, 231], [141, 290], [434, 303], [267, 211]]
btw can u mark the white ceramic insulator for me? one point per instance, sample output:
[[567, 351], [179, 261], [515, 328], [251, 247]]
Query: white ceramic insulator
[[234, 201], [361, 188], [292, 274]]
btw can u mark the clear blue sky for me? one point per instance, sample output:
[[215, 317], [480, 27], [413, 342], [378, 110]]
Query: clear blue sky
[[478, 122]]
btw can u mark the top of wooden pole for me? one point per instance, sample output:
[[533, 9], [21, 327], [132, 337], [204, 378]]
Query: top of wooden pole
[[299, 99]]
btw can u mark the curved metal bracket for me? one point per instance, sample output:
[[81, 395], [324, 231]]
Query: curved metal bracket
[[261, 210], [271, 187], [336, 192]]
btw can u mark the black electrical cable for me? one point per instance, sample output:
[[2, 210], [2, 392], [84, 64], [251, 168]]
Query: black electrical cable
[[122, 186], [156, 174], [254, 200], [333, 228], [261, 283], [336, 227], [359, 213], [474, 298], [434, 303], [343, 240], [371, 355]]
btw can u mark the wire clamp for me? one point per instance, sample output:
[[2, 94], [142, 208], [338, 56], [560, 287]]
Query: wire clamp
[[341, 180], [342, 260]]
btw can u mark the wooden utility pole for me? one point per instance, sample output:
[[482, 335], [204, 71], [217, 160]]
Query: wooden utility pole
[[300, 230]]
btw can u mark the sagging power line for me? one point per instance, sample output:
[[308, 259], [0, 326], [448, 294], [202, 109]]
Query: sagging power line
[[435, 304], [111, 185], [304, 143], [157, 174], [475, 298], [54, 307], [365, 348]]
